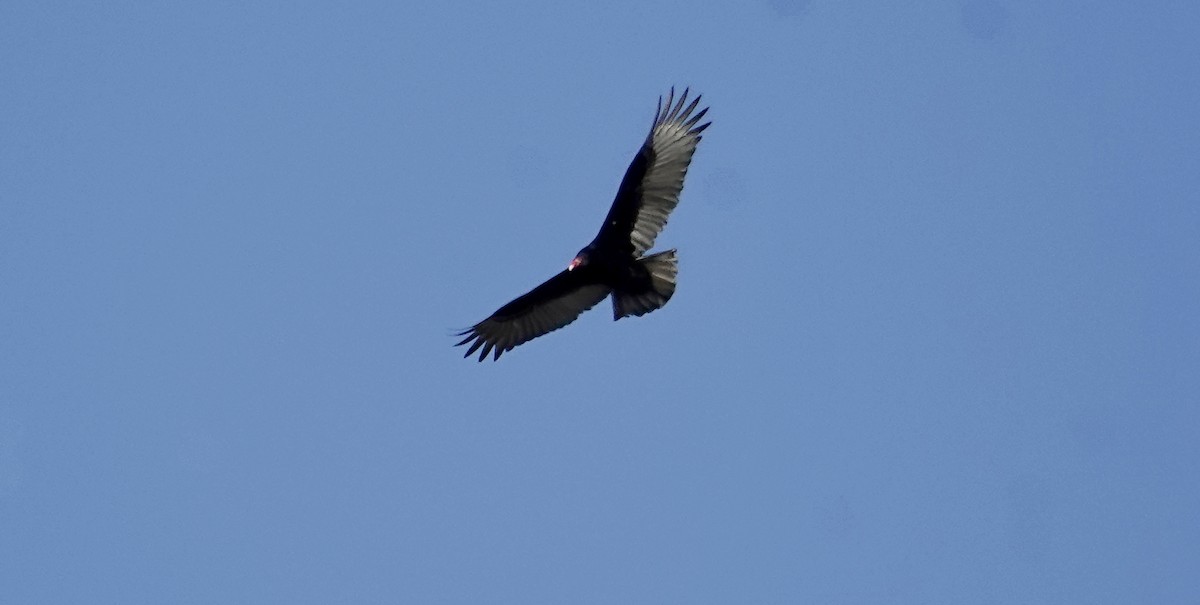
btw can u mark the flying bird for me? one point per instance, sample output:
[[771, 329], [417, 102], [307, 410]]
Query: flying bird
[[614, 262]]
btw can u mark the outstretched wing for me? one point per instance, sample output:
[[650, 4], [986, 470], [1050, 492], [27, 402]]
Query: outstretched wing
[[650, 189], [546, 308]]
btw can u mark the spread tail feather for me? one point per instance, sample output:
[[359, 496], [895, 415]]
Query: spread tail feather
[[661, 268]]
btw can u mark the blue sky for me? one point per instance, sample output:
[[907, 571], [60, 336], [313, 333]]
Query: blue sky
[[935, 339]]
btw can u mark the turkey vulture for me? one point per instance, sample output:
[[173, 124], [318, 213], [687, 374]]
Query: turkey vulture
[[614, 263]]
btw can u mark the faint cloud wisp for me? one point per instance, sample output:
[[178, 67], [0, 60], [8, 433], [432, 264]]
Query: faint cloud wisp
[[984, 19], [10, 467], [789, 8]]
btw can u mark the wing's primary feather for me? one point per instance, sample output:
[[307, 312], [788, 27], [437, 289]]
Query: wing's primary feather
[[654, 180], [546, 308]]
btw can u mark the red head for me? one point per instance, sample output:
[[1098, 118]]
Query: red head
[[580, 260]]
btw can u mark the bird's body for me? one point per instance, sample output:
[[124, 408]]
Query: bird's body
[[614, 263]]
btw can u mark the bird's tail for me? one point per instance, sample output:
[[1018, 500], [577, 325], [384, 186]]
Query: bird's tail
[[662, 268]]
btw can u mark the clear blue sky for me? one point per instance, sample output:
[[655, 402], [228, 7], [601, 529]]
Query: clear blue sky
[[936, 337]]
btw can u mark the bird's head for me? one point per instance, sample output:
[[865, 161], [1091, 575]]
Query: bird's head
[[580, 260]]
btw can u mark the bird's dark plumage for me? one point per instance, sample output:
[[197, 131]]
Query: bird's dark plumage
[[613, 263]]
